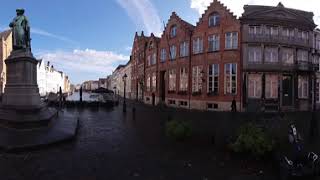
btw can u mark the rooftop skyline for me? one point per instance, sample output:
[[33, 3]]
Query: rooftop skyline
[[88, 39]]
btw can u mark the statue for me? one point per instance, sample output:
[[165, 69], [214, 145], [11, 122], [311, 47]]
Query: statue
[[20, 31]]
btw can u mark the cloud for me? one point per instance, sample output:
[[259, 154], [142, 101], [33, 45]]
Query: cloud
[[48, 34], [81, 65], [42, 32], [143, 14], [128, 48], [236, 6]]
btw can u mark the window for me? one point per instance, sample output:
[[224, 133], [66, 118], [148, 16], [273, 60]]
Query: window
[[173, 52], [302, 55], [271, 88], [184, 49], [272, 31], [197, 45], [271, 54], [254, 85], [318, 91], [288, 32], [154, 81], [213, 79], [150, 45], [172, 80], [317, 45], [149, 60], [255, 54], [196, 79], [255, 30], [148, 82], [154, 59], [183, 103], [163, 55], [287, 56], [303, 87], [230, 78], [214, 20], [173, 31], [183, 79], [212, 106], [303, 35], [231, 40], [214, 42]]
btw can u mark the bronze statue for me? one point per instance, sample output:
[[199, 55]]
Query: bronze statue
[[20, 31]]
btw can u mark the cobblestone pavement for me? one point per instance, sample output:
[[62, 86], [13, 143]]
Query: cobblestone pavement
[[111, 145]]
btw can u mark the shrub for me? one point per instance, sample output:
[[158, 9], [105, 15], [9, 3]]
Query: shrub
[[178, 130], [252, 139]]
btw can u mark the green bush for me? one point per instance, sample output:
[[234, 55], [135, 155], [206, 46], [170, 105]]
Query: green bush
[[178, 130], [252, 139]]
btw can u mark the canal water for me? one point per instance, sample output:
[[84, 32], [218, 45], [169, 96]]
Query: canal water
[[85, 97]]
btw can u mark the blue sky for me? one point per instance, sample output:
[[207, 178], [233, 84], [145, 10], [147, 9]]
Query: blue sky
[[87, 39]]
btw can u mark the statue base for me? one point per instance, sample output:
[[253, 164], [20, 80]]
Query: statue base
[[25, 121]]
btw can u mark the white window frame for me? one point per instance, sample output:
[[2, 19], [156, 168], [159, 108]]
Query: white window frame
[[197, 45], [163, 55], [184, 49], [196, 79], [183, 85], [257, 30], [173, 52], [270, 83], [274, 55], [303, 87], [214, 20], [214, 42], [287, 54], [173, 31], [303, 55], [288, 32], [230, 75], [256, 86], [213, 74], [154, 82], [272, 30], [257, 58], [231, 42], [173, 80]]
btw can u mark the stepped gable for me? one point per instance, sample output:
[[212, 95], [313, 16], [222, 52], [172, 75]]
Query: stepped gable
[[182, 22], [216, 3]]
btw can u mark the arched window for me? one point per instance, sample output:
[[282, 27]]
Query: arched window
[[214, 20], [173, 31]]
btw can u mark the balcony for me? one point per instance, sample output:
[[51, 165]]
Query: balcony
[[279, 66], [277, 40]]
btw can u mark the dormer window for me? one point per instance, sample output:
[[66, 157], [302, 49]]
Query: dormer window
[[173, 31], [214, 20]]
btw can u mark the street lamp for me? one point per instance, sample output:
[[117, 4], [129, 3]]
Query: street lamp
[[124, 78]]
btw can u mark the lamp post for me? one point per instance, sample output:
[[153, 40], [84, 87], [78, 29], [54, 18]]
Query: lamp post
[[124, 78]]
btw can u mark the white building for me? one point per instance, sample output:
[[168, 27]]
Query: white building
[[50, 80]]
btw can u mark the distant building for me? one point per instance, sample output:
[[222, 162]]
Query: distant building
[[316, 62], [5, 50], [50, 80]]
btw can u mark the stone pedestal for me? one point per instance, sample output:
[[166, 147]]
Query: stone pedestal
[[25, 121], [21, 91]]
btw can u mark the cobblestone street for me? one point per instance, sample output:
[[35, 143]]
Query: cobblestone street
[[110, 145]]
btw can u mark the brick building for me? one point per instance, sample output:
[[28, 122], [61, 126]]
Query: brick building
[[151, 94], [5, 50], [138, 59]]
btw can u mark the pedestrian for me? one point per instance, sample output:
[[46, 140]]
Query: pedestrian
[[234, 105]]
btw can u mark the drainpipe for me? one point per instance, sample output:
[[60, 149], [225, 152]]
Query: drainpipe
[[190, 71]]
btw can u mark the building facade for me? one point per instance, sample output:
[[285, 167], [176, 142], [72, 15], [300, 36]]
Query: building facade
[[5, 50], [316, 62], [138, 59], [277, 58]]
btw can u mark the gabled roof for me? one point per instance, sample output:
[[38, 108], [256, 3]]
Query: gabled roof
[[5, 34], [182, 22], [216, 3]]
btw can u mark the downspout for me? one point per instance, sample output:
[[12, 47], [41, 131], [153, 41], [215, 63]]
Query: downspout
[[190, 71]]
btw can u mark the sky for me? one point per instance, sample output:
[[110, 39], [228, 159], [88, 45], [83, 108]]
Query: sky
[[88, 39]]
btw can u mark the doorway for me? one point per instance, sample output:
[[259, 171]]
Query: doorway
[[163, 86], [287, 90]]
